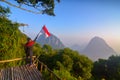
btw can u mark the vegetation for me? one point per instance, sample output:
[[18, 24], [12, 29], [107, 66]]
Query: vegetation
[[40, 6], [107, 69], [12, 40], [65, 63]]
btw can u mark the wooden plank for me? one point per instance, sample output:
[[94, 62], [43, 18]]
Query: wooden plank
[[33, 74], [5, 74], [23, 73], [0, 75], [12, 76], [20, 73], [9, 74], [16, 73], [37, 75], [28, 73]]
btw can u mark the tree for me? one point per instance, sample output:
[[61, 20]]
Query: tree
[[108, 69], [100, 69], [12, 40], [113, 68], [67, 62], [4, 11], [40, 6]]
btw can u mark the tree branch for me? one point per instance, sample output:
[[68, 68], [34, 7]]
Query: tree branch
[[40, 12]]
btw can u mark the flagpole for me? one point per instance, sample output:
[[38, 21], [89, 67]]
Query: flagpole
[[37, 35]]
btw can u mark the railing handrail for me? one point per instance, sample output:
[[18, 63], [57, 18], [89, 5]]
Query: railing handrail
[[16, 59], [49, 69]]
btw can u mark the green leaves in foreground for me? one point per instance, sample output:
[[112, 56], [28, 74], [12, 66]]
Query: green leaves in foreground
[[67, 64]]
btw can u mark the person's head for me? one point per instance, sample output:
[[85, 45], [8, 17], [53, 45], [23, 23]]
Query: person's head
[[28, 39]]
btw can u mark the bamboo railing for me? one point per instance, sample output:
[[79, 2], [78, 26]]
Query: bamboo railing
[[42, 66], [16, 59]]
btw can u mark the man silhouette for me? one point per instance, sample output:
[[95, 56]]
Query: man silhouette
[[29, 50]]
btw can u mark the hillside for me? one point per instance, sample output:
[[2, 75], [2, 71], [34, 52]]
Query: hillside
[[52, 41], [98, 48]]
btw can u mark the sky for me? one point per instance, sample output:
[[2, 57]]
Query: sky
[[76, 21]]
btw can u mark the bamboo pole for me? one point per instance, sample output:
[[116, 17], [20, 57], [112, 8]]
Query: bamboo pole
[[17, 59]]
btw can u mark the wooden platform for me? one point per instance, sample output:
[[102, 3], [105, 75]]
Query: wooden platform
[[20, 73]]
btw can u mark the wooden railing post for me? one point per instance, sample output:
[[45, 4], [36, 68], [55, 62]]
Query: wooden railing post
[[51, 72], [41, 68]]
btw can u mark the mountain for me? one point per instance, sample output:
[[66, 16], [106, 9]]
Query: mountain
[[98, 48], [52, 41]]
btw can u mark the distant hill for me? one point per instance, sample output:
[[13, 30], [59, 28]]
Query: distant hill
[[98, 48], [52, 41]]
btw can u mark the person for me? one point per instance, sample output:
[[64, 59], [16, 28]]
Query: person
[[29, 50]]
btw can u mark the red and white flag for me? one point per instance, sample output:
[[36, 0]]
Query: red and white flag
[[45, 30]]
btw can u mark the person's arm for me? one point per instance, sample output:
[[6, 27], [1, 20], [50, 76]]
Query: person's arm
[[31, 43]]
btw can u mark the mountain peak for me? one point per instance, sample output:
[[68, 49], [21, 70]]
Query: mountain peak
[[98, 39], [98, 48], [52, 41]]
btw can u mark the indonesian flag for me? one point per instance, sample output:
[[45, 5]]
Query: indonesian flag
[[45, 30]]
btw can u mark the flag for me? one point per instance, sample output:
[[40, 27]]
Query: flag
[[45, 30]]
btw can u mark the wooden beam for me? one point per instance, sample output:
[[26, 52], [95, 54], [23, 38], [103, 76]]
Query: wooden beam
[[16, 59]]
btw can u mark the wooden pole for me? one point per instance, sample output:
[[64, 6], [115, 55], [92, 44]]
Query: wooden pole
[[17, 59]]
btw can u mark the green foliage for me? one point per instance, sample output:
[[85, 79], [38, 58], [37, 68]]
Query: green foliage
[[37, 49], [107, 69], [47, 55], [12, 41], [81, 64], [113, 67], [46, 75], [99, 69], [66, 63], [64, 74], [4, 11]]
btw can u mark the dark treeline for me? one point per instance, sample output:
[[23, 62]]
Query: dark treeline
[[107, 69]]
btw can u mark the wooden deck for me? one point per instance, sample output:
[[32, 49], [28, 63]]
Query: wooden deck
[[20, 73]]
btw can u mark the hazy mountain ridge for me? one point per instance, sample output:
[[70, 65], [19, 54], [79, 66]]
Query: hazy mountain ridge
[[98, 48], [52, 41], [95, 49]]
